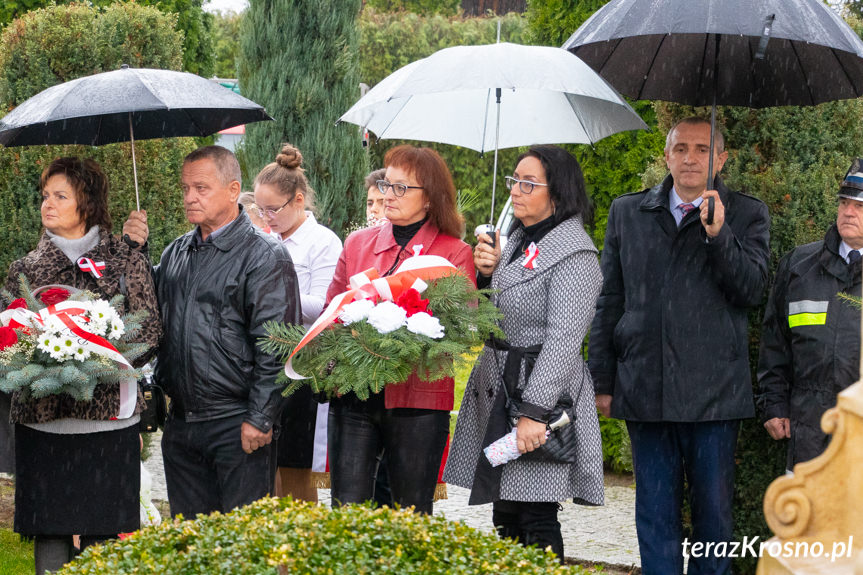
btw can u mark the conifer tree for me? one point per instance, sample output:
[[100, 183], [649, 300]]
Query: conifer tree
[[299, 59]]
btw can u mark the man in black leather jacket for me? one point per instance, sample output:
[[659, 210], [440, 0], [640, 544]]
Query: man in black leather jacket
[[217, 286]]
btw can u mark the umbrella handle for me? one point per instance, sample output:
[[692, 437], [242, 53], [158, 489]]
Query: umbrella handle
[[710, 206]]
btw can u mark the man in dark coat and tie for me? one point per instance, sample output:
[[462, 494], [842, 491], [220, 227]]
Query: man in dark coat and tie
[[669, 348], [810, 342]]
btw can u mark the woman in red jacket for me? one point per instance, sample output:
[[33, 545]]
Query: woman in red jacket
[[409, 421]]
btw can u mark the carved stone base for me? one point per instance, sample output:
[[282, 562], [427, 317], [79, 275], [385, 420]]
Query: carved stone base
[[823, 500]]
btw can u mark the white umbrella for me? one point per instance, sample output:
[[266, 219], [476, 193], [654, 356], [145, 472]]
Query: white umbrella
[[495, 96]]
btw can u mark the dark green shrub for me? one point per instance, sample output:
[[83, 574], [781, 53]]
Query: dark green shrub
[[283, 536], [190, 20], [299, 59], [616, 447], [53, 45], [445, 7]]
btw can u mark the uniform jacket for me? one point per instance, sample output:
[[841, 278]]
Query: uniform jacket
[[215, 298], [669, 340], [126, 272], [551, 305], [810, 342], [377, 248]]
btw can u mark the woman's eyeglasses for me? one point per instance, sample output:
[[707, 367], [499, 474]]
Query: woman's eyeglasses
[[269, 214], [524, 186], [398, 189]]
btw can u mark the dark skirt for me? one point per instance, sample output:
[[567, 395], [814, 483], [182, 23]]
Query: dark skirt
[[7, 436], [85, 484], [296, 441]]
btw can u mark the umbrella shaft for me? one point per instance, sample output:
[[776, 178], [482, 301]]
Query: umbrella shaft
[[497, 92]]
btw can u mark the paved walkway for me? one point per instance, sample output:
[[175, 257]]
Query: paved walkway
[[596, 534]]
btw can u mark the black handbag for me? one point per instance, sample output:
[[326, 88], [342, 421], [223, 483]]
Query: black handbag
[[156, 412], [560, 445]]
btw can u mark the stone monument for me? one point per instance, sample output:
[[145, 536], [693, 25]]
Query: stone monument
[[817, 513]]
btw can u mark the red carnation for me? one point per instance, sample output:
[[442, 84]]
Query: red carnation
[[18, 303], [8, 337], [411, 302], [54, 296]]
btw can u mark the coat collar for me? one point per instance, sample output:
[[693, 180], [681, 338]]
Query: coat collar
[[385, 240], [226, 240], [830, 259], [563, 240], [46, 250], [656, 200]]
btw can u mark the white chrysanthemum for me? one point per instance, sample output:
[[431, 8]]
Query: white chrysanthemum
[[117, 328], [387, 317], [45, 341], [101, 315], [356, 311], [58, 348], [81, 353], [53, 326], [423, 324]]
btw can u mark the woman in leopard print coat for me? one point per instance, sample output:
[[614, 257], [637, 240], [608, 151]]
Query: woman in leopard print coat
[[77, 465]]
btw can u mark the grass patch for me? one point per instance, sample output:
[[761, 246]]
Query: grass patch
[[461, 377], [16, 556]]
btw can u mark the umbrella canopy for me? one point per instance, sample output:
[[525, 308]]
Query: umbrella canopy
[[98, 109], [673, 50], [546, 96]]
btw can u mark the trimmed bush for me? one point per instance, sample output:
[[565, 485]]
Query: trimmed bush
[[273, 536], [53, 45], [190, 20]]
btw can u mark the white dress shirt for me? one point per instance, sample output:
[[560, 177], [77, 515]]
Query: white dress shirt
[[315, 250], [845, 249]]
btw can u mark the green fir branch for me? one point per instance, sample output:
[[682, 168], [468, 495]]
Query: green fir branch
[[357, 359], [851, 300]]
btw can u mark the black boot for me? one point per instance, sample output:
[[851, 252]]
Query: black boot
[[546, 538], [51, 553]]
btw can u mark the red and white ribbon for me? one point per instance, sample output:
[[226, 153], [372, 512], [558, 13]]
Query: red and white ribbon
[[530, 256], [88, 265], [368, 284], [64, 311], [417, 249]]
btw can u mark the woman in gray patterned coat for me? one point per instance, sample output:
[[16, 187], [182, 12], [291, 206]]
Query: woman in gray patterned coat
[[548, 281]]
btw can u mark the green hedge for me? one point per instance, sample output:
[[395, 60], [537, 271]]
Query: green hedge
[[60, 43], [274, 536], [190, 20]]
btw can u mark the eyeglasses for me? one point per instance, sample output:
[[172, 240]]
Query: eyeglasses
[[269, 214], [398, 189], [524, 186]]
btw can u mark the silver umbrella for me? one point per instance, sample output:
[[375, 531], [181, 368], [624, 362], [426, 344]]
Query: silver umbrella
[[495, 96]]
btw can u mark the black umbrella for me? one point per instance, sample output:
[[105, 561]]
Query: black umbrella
[[755, 53], [124, 105]]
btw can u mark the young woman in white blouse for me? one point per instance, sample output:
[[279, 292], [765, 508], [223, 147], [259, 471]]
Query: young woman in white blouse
[[286, 203]]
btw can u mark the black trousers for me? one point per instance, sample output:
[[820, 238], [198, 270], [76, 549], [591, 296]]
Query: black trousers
[[531, 523], [207, 470], [413, 439]]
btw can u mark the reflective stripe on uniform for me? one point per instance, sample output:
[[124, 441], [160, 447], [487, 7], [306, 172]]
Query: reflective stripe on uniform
[[799, 319], [807, 312]]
